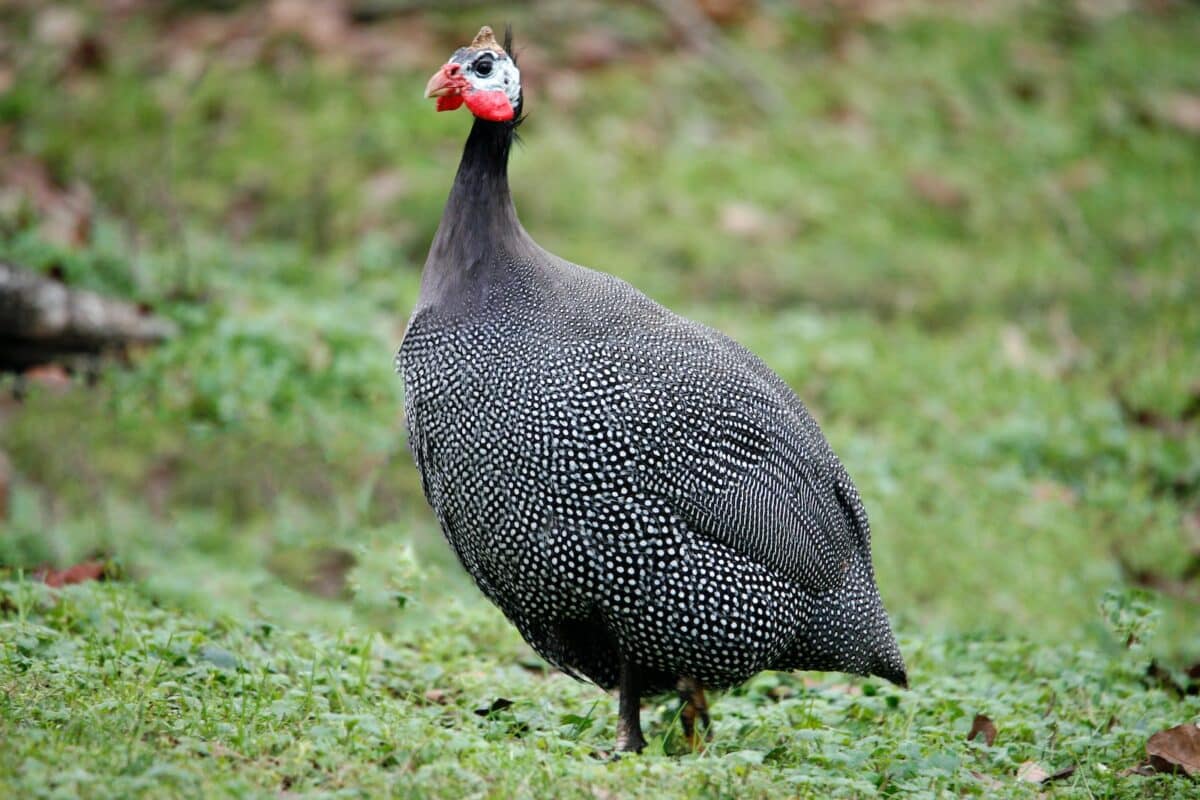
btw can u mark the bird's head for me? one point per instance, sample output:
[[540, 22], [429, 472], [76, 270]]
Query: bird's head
[[483, 75]]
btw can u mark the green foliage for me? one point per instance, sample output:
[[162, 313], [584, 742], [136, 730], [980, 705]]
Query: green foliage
[[968, 239], [109, 694]]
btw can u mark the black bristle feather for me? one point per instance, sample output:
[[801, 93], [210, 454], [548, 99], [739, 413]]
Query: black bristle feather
[[519, 115]]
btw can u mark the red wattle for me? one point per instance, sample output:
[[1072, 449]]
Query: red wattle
[[492, 106], [449, 102]]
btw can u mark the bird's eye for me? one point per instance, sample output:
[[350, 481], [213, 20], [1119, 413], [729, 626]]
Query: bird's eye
[[483, 67]]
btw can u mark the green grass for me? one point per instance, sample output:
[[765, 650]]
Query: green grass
[[986, 365]]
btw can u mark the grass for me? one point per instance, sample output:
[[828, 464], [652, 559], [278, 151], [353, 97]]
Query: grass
[[968, 241]]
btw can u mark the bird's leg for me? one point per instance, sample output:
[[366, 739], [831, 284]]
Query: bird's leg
[[695, 707], [629, 723]]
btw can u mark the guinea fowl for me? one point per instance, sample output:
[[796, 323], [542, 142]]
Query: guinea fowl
[[644, 499]]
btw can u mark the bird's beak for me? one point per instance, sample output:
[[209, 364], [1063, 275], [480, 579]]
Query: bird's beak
[[443, 82]]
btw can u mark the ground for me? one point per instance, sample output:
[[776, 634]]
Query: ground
[[966, 238]]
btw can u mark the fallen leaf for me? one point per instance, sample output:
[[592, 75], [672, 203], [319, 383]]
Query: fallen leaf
[[726, 12], [219, 750], [852, 122], [1048, 491], [437, 696], [937, 191], [1176, 750], [982, 725], [1183, 112], [745, 220], [78, 573], [1032, 772], [1080, 175], [64, 212], [58, 27], [324, 25], [594, 47]]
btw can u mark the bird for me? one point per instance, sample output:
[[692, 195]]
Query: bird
[[645, 500]]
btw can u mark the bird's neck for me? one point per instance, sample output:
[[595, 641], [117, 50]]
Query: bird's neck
[[479, 233]]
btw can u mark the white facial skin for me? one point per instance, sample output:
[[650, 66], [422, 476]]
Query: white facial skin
[[502, 74]]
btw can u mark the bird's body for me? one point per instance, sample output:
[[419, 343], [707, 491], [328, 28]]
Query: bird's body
[[611, 475], [645, 499]]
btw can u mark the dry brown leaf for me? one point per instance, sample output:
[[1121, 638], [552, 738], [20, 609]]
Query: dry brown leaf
[[982, 725], [594, 47], [1032, 772], [1176, 749], [1183, 112], [49, 376], [726, 12], [58, 27], [937, 191], [220, 750], [64, 212], [78, 573], [324, 25], [745, 220], [1048, 491], [1081, 175]]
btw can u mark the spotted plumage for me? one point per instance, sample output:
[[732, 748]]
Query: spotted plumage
[[643, 498]]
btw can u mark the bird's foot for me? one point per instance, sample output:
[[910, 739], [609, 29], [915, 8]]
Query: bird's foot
[[693, 716], [629, 739]]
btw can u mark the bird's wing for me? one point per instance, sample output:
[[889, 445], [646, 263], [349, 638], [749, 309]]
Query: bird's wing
[[740, 459]]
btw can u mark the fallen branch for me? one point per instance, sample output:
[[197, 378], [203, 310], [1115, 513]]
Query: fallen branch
[[42, 319]]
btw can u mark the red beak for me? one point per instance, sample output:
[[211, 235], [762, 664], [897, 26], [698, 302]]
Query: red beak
[[446, 80]]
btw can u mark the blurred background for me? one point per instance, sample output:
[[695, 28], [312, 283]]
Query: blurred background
[[967, 234]]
